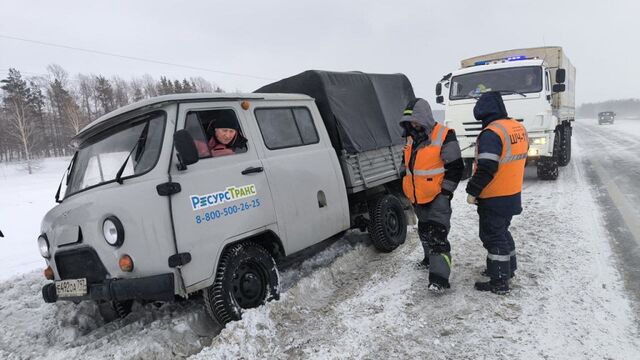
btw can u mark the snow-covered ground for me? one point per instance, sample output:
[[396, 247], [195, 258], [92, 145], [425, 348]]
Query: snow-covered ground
[[349, 301], [24, 199]]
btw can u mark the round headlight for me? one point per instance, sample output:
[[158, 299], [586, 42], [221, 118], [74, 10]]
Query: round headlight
[[43, 245], [113, 231]]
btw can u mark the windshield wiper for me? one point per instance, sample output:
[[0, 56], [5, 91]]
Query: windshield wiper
[[509, 92], [66, 174], [142, 140]]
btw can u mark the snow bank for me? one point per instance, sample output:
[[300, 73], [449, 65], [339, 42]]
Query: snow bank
[[24, 200], [350, 301]]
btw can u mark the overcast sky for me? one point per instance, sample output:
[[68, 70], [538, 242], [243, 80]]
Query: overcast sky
[[276, 39]]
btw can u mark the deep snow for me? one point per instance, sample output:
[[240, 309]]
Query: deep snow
[[24, 199], [350, 301]]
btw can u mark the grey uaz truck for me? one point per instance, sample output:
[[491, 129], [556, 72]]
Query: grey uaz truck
[[143, 215]]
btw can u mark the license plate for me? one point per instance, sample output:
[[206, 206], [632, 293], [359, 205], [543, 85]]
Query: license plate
[[71, 288]]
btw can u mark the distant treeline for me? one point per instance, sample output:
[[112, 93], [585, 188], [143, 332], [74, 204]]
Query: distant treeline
[[40, 114], [623, 108]]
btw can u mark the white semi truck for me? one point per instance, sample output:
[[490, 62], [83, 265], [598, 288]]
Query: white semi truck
[[538, 88]]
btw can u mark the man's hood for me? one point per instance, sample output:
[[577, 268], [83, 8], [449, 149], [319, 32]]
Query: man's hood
[[419, 111], [490, 107]]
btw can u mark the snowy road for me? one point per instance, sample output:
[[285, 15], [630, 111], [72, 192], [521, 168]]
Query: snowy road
[[570, 298], [613, 167]]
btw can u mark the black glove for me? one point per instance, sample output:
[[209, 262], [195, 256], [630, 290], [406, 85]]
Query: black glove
[[447, 193]]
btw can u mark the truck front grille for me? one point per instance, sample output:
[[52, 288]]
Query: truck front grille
[[81, 263], [472, 129]]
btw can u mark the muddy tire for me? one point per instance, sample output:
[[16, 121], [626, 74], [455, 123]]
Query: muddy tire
[[547, 169], [247, 277], [564, 155], [113, 310], [387, 223]]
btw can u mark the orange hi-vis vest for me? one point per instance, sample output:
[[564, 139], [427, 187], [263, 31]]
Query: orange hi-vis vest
[[424, 182], [515, 145]]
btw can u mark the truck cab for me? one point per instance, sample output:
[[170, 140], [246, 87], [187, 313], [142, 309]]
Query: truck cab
[[529, 88], [145, 214]]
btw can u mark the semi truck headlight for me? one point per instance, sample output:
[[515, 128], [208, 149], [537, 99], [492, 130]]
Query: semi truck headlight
[[538, 141], [113, 231], [43, 245]]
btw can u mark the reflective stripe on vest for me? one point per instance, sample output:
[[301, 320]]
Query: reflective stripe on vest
[[424, 183], [515, 145]]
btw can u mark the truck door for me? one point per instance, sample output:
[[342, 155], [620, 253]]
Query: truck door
[[302, 168], [222, 198]]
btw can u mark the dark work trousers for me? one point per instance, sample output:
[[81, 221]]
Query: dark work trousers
[[494, 232], [433, 227]]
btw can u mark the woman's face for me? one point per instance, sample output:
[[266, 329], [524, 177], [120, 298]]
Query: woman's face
[[225, 135]]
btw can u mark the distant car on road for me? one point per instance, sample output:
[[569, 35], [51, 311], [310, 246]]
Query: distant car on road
[[606, 117]]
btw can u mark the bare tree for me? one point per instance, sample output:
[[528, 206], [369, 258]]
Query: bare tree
[[73, 116], [149, 85], [136, 89], [202, 85], [86, 85], [18, 113], [21, 127], [120, 91]]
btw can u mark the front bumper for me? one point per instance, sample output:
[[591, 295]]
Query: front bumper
[[540, 145], [157, 287]]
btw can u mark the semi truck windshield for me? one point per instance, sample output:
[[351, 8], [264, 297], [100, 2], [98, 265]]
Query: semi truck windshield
[[527, 79]]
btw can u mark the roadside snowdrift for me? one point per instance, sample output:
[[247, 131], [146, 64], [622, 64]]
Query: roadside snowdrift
[[350, 301]]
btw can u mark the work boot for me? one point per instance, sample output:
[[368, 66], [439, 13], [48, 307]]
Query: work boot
[[439, 272], [499, 270], [499, 287], [437, 288], [512, 261], [424, 263]]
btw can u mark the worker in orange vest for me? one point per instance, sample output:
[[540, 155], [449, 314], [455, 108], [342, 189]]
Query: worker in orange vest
[[433, 167], [496, 184]]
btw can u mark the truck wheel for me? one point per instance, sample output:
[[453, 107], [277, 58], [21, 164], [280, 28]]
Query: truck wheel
[[113, 310], [247, 277], [547, 169], [387, 223], [564, 155]]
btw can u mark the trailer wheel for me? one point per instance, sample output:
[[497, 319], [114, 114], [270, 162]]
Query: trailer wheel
[[564, 155], [387, 223], [113, 310], [247, 277]]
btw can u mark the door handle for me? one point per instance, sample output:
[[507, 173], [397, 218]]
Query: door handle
[[252, 169]]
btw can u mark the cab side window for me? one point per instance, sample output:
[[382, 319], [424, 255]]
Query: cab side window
[[216, 132], [286, 127]]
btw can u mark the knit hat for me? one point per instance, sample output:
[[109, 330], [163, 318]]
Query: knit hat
[[226, 122]]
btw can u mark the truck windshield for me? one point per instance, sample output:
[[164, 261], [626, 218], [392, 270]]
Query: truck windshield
[[526, 79], [100, 158]]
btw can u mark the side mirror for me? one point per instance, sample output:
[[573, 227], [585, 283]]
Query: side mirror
[[440, 99], [438, 89], [186, 148], [559, 88], [560, 76]]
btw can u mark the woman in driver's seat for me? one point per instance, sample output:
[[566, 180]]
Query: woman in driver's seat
[[227, 138]]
